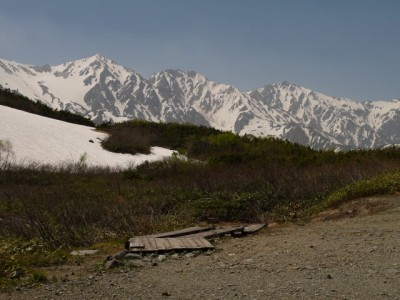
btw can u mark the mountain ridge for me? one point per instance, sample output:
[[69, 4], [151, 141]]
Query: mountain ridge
[[101, 89]]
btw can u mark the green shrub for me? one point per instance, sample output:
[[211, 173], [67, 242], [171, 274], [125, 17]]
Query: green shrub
[[386, 183], [38, 277]]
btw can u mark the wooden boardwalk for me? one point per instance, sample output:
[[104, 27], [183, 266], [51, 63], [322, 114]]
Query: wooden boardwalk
[[152, 244], [217, 232], [181, 232], [253, 228], [193, 238]]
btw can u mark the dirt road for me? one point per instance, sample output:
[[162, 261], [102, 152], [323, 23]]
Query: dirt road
[[352, 253]]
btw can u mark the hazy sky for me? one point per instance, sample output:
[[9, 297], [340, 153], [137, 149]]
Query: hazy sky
[[348, 48]]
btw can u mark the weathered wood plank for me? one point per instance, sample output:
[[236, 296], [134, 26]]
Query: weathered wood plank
[[137, 243], [174, 243], [181, 243], [160, 244], [190, 242], [181, 232], [151, 244], [253, 228], [166, 244], [196, 241], [217, 232]]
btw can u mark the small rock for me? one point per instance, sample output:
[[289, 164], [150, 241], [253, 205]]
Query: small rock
[[113, 264], [133, 256], [154, 263], [161, 258], [190, 255], [373, 249], [120, 254], [329, 276], [175, 256], [135, 264], [166, 294]]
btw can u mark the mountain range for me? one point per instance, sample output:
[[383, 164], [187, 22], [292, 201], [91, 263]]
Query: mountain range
[[103, 90]]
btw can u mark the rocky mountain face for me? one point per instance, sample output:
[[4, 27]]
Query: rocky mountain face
[[103, 90]]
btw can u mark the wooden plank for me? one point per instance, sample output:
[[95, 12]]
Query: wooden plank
[[152, 246], [181, 243], [191, 243], [166, 244], [136, 243], [196, 242], [174, 244], [203, 243], [160, 244], [181, 232], [253, 228], [217, 232]]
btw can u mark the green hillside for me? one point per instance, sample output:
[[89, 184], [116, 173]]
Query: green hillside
[[239, 179]]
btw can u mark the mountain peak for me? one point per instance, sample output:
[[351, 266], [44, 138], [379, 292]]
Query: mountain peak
[[99, 56], [287, 84], [102, 89]]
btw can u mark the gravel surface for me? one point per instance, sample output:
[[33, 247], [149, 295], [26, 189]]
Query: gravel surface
[[350, 253]]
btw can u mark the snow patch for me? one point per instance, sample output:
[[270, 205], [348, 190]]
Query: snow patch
[[43, 140]]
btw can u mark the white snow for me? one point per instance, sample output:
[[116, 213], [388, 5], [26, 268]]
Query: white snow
[[43, 140], [71, 89], [169, 94]]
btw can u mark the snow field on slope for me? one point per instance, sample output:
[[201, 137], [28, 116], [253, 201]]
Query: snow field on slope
[[37, 139]]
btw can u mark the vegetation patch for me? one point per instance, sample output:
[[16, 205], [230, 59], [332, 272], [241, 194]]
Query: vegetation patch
[[386, 183], [15, 100], [234, 178], [20, 259]]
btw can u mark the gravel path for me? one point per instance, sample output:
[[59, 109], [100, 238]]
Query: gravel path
[[344, 254]]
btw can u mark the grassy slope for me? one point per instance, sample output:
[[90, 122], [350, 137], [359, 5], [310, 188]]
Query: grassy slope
[[230, 177]]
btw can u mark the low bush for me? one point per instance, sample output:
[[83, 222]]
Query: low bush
[[234, 178], [38, 277], [386, 183]]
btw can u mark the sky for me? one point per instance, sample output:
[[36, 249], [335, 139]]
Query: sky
[[342, 48]]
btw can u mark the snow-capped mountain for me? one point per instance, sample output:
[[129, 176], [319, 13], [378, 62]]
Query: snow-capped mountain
[[101, 89]]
